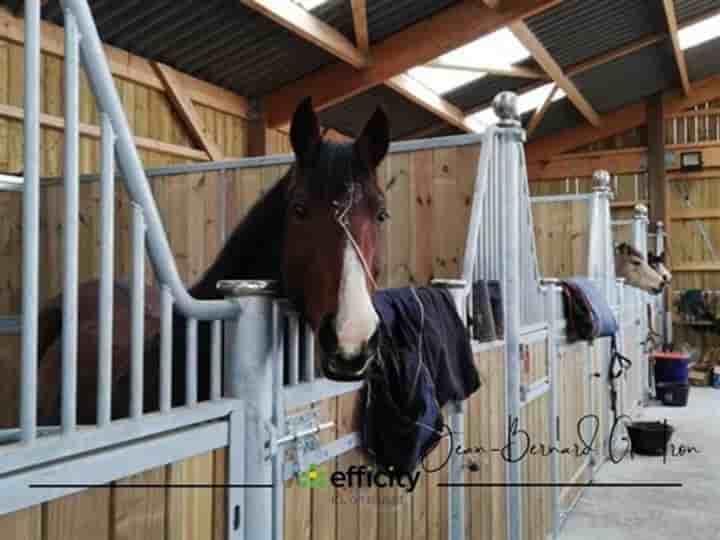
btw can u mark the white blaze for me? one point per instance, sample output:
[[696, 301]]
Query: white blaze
[[356, 319]]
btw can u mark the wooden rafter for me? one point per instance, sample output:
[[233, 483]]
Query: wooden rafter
[[448, 29], [554, 71], [306, 25], [679, 54], [360, 24], [419, 94], [540, 111], [186, 110], [511, 71]]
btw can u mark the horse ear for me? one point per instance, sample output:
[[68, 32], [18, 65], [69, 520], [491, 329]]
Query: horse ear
[[304, 131], [372, 145]]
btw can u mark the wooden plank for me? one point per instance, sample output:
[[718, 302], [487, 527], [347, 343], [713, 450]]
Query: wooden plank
[[360, 24], [552, 68], [324, 506], [348, 511], [301, 22], [82, 515], [511, 71], [139, 512], [185, 108], [686, 214], [451, 28], [58, 123], [421, 95], [22, 525], [398, 200], [189, 510], [421, 216], [220, 494], [127, 66], [672, 23], [539, 113], [696, 267]]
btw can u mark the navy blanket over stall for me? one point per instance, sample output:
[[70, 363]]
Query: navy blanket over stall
[[425, 360], [587, 312]]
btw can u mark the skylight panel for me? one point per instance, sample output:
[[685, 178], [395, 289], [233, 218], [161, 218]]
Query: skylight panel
[[700, 32], [497, 50]]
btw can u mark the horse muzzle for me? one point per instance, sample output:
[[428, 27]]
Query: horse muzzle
[[338, 365]]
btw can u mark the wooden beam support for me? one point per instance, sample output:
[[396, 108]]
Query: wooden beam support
[[551, 67], [128, 66], [360, 24], [186, 110], [669, 6], [619, 121], [306, 25], [691, 214], [657, 183], [419, 94], [583, 165], [420, 43], [540, 111], [57, 122], [511, 71]]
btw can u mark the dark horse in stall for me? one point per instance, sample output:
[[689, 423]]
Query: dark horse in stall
[[316, 232]]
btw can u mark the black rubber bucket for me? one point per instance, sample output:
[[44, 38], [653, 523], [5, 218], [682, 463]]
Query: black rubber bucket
[[649, 438]]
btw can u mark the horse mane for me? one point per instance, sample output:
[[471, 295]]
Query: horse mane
[[630, 249], [254, 249]]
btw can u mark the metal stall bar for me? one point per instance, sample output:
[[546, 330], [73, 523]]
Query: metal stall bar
[[166, 331], [664, 315], [308, 352], [137, 311], [107, 254], [640, 226], [509, 155], [31, 224], [293, 327], [129, 163], [72, 225], [216, 360], [191, 362]]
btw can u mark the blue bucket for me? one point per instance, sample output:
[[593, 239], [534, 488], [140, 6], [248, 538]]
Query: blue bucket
[[671, 367]]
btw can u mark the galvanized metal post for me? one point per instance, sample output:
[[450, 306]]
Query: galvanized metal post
[[510, 160], [251, 348], [72, 224], [456, 493], [553, 292], [137, 312], [640, 226], [664, 315]]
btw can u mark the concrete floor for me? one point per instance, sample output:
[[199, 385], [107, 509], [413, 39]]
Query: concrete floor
[[689, 512]]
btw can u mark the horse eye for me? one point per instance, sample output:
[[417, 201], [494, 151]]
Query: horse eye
[[636, 263], [300, 210], [383, 215]]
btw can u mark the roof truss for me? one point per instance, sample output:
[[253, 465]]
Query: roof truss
[[677, 51]]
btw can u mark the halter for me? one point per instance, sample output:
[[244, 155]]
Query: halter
[[342, 218]]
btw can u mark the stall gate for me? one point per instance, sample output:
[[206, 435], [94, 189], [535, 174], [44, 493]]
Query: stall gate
[[276, 427]]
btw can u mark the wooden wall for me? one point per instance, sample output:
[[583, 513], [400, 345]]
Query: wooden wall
[[146, 513]]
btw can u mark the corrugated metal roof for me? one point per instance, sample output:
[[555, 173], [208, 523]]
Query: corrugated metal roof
[[482, 90], [690, 9], [630, 78], [577, 30], [386, 17], [350, 116], [703, 60], [560, 115]]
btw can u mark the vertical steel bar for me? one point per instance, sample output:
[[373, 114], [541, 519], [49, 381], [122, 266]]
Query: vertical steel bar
[[191, 363], [107, 253], [137, 312], [31, 223], [278, 419], [309, 352], [293, 348], [216, 360], [72, 225], [166, 337]]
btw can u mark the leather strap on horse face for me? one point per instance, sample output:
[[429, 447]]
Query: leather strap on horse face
[[619, 364], [342, 218]]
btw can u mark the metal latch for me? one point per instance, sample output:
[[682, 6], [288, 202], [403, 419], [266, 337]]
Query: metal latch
[[302, 437]]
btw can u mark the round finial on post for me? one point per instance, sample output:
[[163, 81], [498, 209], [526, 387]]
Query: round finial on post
[[640, 211], [506, 108], [601, 180]]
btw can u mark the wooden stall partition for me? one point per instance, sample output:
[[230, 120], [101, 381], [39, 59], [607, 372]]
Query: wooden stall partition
[[537, 516], [561, 237], [133, 508]]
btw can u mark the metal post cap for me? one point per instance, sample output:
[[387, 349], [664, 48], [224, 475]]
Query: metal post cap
[[601, 180], [640, 210], [506, 108]]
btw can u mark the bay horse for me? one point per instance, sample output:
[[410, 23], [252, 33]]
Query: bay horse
[[659, 264], [316, 232], [631, 265]]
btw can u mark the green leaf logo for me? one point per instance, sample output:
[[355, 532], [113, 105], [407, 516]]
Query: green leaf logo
[[314, 477]]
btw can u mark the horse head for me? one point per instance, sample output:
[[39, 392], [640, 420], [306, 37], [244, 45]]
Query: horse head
[[335, 212], [659, 264], [631, 265]]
